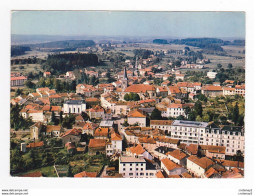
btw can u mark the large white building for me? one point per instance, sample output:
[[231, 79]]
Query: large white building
[[203, 133], [74, 106], [211, 75], [175, 110], [136, 167]]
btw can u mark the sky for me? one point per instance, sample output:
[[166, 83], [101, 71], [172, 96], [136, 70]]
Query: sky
[[128, 23]]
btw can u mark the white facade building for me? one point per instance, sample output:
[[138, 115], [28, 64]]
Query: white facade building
[[74, 106], [211, 75], [132, 167]]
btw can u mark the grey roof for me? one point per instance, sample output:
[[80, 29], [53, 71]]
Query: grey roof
[[106, 123], [189, 123], [78, 102]]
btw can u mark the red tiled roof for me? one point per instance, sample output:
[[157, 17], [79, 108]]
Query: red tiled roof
[[177, 154], [72, 132], [101, 132], [35, 144], [230, 163], [140, 88], [203, 162], [94, 143], [212, 88], [170, 165], [116, 137], [86, 174], [136, 113], [136, 150], [32, 174]]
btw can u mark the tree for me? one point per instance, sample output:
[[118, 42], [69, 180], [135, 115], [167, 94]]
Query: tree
[[180, 117], [53, 117], [235, 116], [199, 118], [18, 92], [126, 97], [198, 108], [61, 117], [29, 84], [156, 114], [125, 123], [230, 66], [136, 97], [219, 66]]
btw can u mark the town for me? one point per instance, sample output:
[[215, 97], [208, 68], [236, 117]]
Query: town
[[120, 109]]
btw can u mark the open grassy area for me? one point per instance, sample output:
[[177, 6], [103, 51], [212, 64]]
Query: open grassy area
[[26, 68], [48, 171]]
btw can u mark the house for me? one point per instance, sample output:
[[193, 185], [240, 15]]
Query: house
[[136, 167], [144, 91], [211, 75], [164, 125], [97, 146], [162, 91], [198, 166], [96, 112], [148, 143], [136, 117], [101, 133], [180, 76], [171, 168], [167, 142], [35, 144], [233, 173], [36, 129], [137, 151], [70, 75], [71, 147], [177, 157], [18, 81], [86, 174], [213, 151], [229, 164], [228, 91], [53, 130], [175, 110], [74, 106], [212, 91], [107, 124], [46, 74], [240, 90], [212, 173], [89, 128], [73, 135], [115, 144]]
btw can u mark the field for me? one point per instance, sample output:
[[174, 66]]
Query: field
[[46, 171], [26, 68]]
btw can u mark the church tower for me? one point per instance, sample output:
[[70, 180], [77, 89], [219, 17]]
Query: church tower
[[124, 79]]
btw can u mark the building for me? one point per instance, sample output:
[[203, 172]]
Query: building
[[115, 146], [136, 167], [73, 136], [240, 90], [175, 110], [177, 157], [136, 117], [18, 81], [198, 166], [144, 91], [172, 168], [228, 91], [97, 146], [212, 91], [36, 129], [74, 106], [46, 74], [211, 75]]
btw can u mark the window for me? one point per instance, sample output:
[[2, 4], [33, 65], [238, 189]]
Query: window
[[130, 169], [146, 174], [137, 174], [130, 164], [141, 164], [137, 164], [151, 174], [136, 169], [123, 169], [123, 164], [141, 173], [142, 168], [130, 173]]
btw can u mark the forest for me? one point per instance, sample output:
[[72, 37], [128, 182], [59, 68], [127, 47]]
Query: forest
[[19, 50], [60, 63]]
